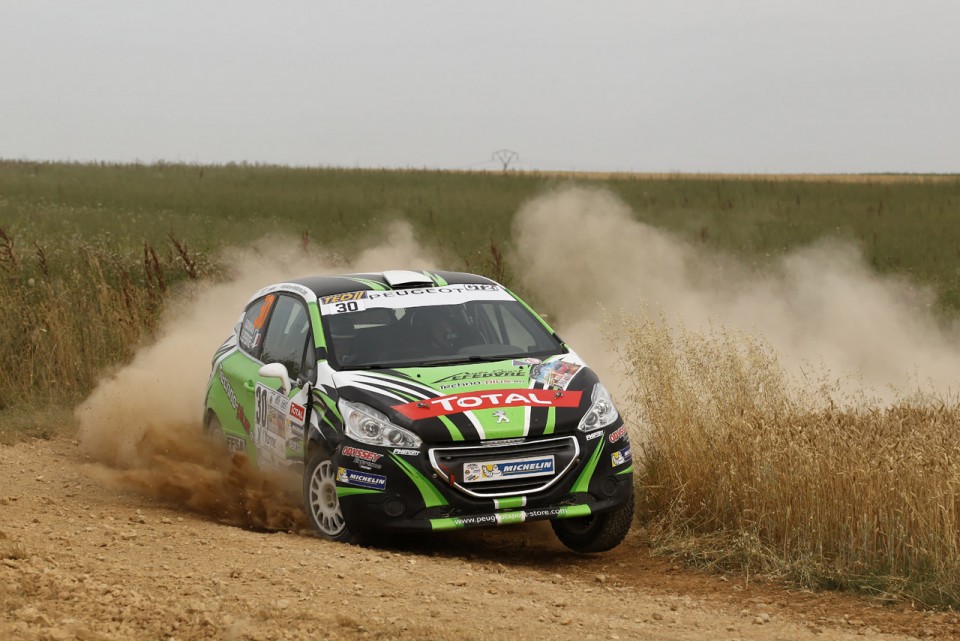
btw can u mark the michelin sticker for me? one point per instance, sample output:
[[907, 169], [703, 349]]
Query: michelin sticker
[[361, 479], [509, 469], [620, 457]]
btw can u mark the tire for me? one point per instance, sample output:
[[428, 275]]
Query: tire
[[320, 499], [597, 532], [215, 429]]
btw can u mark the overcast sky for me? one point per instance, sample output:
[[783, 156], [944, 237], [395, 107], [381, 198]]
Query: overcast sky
[[697, 85]]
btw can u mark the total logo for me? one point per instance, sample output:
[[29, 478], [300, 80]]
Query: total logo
[[298, 412], [457, 403]]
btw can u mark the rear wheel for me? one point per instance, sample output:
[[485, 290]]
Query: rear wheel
[[321, 501], [215, 430], [597, 532]]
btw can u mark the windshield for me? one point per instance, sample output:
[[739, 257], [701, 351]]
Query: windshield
[[431, 326]]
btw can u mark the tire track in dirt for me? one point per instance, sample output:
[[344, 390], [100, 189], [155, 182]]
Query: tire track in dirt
[[80, 559]]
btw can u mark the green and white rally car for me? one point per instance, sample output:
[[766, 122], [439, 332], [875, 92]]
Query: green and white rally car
[[412, 401]]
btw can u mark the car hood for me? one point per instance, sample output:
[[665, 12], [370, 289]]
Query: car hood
[[512, 398]]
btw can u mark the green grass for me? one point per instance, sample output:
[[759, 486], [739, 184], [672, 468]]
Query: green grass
[[904, 226]]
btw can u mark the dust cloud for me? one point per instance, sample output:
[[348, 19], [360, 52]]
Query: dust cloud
[[820, 307], [141, 425]]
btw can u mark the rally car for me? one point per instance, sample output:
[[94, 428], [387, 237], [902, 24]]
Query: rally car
[[415, 401]]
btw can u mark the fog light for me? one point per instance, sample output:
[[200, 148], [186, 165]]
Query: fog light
[[610, 486], [394, 507]]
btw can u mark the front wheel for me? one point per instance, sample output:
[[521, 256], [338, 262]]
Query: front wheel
[[597, 532], [321, 501]]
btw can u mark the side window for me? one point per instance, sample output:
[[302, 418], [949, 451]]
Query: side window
[[254, 322], [286, 338]]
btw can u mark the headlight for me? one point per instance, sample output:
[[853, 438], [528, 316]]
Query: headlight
[[367, 425], [601, 413]]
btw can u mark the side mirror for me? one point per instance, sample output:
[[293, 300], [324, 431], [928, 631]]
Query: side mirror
[[277, 370]]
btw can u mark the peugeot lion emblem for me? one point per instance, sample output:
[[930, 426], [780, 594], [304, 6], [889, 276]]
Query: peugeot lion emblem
[[501, 416]]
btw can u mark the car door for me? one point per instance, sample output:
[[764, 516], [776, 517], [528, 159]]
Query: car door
[[238, 374], [281, 415]]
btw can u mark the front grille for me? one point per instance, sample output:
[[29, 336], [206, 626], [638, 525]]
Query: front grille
[[453, 464]]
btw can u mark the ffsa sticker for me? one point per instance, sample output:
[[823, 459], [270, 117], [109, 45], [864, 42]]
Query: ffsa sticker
[[270, 430]]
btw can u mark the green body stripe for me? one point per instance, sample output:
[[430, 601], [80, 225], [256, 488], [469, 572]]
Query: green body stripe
[[626, 471], [511, 502], [445, 524], [329, 403], [372, 284], [409, 397], [438, 279], [348, 491], [326, 419], [454, 431], [319, 339], [431, 495], [505, 518], [583, 481], [551, 420], [574, 511]]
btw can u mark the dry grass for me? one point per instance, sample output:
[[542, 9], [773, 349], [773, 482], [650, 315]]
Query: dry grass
[[744, 468], [70, 315]]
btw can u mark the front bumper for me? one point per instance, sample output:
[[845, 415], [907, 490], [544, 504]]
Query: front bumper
[[407, 490]]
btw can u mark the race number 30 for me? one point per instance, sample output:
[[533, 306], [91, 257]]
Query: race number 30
[[352, 306], [261, 401]]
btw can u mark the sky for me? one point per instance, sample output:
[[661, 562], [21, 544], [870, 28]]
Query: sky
[[767, 86]]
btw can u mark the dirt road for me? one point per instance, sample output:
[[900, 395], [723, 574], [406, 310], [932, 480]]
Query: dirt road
[[80, 560]]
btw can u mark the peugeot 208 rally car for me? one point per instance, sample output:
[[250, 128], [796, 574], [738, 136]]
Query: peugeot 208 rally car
[[414, 401]]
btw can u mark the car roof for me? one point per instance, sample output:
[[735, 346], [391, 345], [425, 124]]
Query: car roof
[[329, 285]]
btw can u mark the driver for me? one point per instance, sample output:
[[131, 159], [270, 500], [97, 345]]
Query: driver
[[437, 328]]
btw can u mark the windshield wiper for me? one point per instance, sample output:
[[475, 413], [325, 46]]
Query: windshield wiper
[[458, 360]]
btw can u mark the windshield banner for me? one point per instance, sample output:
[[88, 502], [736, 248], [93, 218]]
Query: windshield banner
[[414, 297]]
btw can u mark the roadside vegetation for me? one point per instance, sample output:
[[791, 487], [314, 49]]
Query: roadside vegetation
[[741, 468], [744, 469]]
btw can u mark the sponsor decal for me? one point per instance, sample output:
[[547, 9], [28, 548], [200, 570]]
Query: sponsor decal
[[483, 519], [363, 455], [508, 469], [499, 373], [239, 414], [620, 457], [618, 433], [467, 401], [403, 452], [341, 298], [447, 289], [413, 297], [501, 416], [556, 374], [520, 362], [296, 445], [236, 444], [298, 412], [497, 381], [296, 430], [270, 425], [361, 479], [594, 434]]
